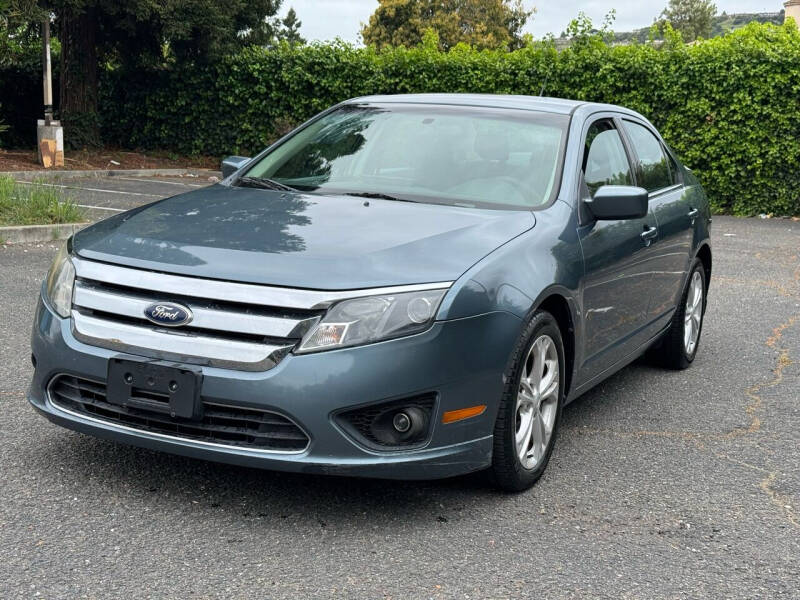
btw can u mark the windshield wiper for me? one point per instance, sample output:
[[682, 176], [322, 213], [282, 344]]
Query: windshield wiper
[[378, 196], [264, 183]]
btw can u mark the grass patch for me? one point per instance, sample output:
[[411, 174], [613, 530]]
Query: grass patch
[[35, 204]]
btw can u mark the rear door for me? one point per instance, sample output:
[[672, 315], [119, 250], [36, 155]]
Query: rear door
[[658, 172], [618, 273]]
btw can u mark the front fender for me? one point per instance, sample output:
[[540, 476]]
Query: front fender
[[520, 274]]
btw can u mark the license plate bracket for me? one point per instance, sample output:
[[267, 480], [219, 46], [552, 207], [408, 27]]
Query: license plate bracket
[[156, 386]]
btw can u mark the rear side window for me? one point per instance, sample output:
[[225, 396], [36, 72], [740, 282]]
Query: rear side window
[[604, 159], [655, 170]]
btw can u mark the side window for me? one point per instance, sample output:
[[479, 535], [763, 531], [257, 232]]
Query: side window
[[655, 169], [604, 158]]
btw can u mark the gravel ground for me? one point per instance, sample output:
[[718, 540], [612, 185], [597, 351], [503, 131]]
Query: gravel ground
[[662, 484]]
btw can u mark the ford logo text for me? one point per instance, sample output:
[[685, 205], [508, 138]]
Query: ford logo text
[[166, 313]]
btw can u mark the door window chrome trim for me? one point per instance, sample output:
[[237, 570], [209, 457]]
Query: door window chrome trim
[[228, 291], [664, 190], [171, 438]]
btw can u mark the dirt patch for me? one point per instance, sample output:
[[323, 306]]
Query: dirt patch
[[106, 159]]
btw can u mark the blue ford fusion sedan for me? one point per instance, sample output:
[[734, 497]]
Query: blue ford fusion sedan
[[405, 286]]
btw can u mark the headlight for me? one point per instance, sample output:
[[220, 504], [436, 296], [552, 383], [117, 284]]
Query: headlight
[[59, 282], [372, 319]]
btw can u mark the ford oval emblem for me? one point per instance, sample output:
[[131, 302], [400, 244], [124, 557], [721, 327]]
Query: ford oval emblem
[[168, 313]]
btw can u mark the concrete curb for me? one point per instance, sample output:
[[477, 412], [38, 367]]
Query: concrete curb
[[26, 234], [55, 175]]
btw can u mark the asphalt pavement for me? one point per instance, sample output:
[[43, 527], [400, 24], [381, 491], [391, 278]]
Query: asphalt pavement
[[101, 197], [663, 484]]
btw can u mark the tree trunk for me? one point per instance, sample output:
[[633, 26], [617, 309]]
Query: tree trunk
[[77, 32]]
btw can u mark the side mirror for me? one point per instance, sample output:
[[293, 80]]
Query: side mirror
[[232, 164], [613, 202]]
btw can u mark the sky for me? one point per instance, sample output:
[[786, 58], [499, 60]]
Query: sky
[[327, 19]]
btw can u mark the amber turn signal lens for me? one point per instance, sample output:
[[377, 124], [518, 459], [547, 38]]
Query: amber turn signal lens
[[451, 416]]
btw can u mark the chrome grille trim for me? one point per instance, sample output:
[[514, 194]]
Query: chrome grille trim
[[246, 293], [183, 346], [228, 320]]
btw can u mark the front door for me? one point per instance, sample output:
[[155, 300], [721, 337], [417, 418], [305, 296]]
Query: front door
[[617, 258]]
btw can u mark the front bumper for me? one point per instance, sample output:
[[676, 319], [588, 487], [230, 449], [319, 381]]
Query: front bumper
[[462, 361]]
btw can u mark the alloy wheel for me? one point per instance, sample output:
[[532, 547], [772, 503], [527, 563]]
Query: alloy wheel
[[537, 402], [693, 313]]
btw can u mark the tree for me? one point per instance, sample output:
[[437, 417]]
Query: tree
[[692, 18], [290, 30], [20, 23], [142, 33], [493, 24], [5, 38]]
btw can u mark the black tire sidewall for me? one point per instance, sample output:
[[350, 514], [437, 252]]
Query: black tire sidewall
[[696, 266], [510, 474]]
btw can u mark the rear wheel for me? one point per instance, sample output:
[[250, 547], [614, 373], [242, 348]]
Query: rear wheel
[[679, 345], [530, 409]]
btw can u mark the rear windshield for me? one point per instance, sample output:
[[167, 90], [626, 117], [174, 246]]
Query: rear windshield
[[463, 156]]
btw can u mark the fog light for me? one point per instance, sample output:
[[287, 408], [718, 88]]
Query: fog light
[[401, 422], [397, 424], [400, 425]]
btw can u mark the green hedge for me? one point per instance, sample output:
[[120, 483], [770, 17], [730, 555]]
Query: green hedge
[[729, 106]]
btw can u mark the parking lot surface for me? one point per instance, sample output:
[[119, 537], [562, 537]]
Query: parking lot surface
[[101, 197], [662, 484]]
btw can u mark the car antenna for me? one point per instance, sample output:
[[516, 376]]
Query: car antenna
[[546, 79]]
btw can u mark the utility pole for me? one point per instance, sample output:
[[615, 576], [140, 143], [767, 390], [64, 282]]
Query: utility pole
[[47, 72], [49, 134]]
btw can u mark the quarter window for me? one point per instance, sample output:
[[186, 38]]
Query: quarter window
[[604, 159], [655, 170]]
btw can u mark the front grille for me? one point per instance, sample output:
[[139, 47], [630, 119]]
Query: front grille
[[225, 425], [230, 326]]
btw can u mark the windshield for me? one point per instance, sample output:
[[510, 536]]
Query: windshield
[[463, 156]]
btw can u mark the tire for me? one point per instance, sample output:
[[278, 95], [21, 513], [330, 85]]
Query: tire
[[673, 351], [523, 404]]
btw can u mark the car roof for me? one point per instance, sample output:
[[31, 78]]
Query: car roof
[[538, 103]]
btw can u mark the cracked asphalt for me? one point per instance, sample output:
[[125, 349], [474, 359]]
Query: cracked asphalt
[[662, 484]]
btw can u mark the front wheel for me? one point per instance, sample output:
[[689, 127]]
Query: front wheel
[[530, 410]]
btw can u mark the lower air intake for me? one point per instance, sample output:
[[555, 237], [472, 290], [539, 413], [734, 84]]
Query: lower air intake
[[222, 425]]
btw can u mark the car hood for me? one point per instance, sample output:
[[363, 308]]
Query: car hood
[[300, 240]]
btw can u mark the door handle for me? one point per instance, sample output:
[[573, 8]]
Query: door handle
[[693, 214], [648, 235]]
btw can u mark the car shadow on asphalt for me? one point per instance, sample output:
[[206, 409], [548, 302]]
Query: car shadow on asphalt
[[77, 461]]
